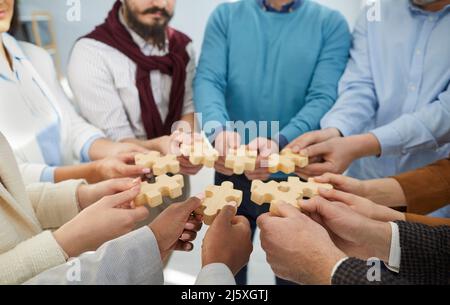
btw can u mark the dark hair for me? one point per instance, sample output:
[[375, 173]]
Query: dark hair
[[15, 19]]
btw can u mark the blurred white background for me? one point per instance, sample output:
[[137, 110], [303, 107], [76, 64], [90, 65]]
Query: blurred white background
[[190, 17]]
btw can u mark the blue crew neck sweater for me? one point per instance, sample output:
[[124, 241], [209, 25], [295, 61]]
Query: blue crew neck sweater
[[257, 66]]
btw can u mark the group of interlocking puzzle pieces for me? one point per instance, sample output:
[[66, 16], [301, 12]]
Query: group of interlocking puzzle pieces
[[239, 160], [290, 191]]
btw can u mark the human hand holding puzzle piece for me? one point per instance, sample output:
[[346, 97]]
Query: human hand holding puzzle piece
[[216, 198]]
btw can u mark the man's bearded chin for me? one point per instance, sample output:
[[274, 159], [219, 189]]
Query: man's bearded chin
[[156, 33]]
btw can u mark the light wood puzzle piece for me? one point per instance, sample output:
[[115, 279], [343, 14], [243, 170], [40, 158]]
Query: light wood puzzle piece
[[216, 198], [200, 153], [273, 192], [159, 165], [309, 189], [286, 162], [152, 193], [241, 159], [290, 192]]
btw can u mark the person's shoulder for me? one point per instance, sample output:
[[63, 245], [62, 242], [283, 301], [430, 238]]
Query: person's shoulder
[[323, 11], [227, 9], [89, 45], [34, 53]]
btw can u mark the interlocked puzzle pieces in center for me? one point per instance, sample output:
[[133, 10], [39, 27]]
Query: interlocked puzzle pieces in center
[[152, 194], [290, 191]]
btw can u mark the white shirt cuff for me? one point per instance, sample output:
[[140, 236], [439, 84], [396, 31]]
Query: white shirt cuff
[[395, 254]]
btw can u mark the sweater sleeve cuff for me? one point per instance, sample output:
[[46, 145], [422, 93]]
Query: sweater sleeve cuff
[[55, 204]]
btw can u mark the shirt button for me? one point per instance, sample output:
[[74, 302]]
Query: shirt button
[[431, 18], [418, 51], [412, 88]]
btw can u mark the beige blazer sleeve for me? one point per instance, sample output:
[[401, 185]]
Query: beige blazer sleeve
[[54, 204], [29, 258]]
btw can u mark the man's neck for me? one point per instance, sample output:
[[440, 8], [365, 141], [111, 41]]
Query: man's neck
[[278, 4], [436, 6]]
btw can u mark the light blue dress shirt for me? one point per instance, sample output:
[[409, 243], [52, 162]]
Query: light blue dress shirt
[[396, 86]]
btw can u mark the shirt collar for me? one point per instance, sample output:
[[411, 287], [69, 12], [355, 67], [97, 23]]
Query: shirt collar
[[287, 8], [12, 46], [138, 40], [16, 53]]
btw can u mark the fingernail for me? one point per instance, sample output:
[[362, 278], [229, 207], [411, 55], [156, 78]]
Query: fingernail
[[233, 204], [146, 171], [184, 237], [304, 152], [200, 196], [188, 247], [136, 181], [136, 188]]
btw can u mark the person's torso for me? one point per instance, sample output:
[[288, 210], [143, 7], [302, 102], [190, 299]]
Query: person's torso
[[123, 73], [409, 57], [271, 60]]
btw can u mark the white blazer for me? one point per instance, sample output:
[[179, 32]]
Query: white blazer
[[31, 98]]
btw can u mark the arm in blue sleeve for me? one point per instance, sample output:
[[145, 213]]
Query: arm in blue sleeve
[[84, 154], [426, 129], [322, 92], [357, 96], [211, 78]]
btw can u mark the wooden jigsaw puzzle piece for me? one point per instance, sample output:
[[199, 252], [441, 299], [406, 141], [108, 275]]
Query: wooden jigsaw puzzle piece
[[274, 192], [309, 189], [241, 160], [165, 186], [286, 162], [200, 153], [159, 165], [216, 198]]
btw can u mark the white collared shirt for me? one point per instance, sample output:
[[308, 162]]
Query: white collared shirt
[[103, 81]]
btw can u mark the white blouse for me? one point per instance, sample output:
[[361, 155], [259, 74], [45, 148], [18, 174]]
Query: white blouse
[[36, 117]]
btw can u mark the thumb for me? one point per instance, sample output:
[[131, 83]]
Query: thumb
[[121, 198], [189, 206], [225, 217], [286, 210]]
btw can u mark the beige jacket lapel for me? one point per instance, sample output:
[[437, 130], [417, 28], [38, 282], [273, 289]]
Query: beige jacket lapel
[[12, 188]]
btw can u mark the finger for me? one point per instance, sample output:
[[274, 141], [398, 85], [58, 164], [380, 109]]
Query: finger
[[139, 149], [184, 246], [193, 224], [335, 195], [330, 178], [122, 184], [253, 145], [188, 235], [139, 214], [263, 219], [121, 198], [317, 169], [133, 170], [317, 205], [128, 158], [287, 210], [189, 206], [233, 140], [302, 142], [316, 150], [226, 215]]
